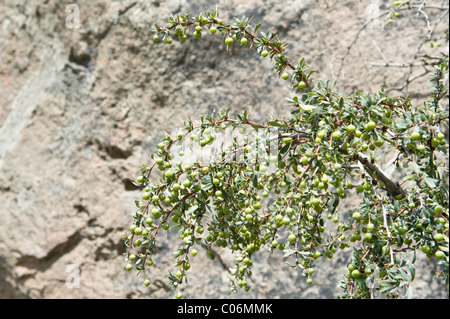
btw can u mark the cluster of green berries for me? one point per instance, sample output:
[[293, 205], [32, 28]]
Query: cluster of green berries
[[307, 177]]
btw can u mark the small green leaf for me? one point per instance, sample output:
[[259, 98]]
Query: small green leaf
[[412, 270], [277, 124], [443, 248], [431, 182], [409, 292], [414, 167], [288, 252], [257, 28], [307, 107]]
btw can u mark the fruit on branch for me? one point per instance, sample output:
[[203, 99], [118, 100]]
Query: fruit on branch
[[328, 147], [229, 41]]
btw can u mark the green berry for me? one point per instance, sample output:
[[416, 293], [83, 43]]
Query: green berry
[[211, 255], [304, 160], [147, 283], [286, 221], [213, 30], [161, 146], [169, 174], [421, 148], [356, 216], [197, 34], [435, 142], [169, 40], [370, 126], [187, 183], [273, 158], [379, 142], [350, 128], [244, 41], [426, 249], [440, 136], [439, 237], [315, 201], [301, 85], [264, 53], [285, 76], [439, 254], [415, 136], [155, 37], [138, 231], [156, 213], [368, 237], [359, 188], [146, 195], [129, 267], [292, 238], [179, 31], [337, 135], [229, 41], [438, 209]]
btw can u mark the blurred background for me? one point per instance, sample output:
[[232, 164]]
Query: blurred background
[[85, 96]]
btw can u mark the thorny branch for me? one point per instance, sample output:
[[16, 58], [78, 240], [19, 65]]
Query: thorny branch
[[419, 59]]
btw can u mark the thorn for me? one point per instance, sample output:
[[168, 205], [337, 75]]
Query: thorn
[[250, 19]]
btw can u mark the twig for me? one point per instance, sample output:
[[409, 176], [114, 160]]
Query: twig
[[393, 189], [388, 232]]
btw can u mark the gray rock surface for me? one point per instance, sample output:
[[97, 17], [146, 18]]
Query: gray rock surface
[[82, 109]]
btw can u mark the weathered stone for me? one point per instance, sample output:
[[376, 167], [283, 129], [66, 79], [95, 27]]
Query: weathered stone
[[82, 109]]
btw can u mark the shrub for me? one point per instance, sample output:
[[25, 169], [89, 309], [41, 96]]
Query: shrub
[[218, 173]]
